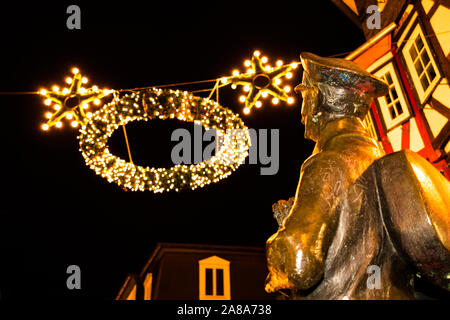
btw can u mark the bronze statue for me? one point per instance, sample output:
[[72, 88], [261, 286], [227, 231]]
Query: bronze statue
[[356, 212]]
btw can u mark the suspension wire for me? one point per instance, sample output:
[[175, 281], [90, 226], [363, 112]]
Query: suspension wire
[[126, 140], [210, 80]]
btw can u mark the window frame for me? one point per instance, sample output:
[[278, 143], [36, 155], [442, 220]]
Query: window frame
[[382, 103], [422, 94], [214, 263]]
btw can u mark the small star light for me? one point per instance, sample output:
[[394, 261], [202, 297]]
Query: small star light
[[72, 102], [262, 80]]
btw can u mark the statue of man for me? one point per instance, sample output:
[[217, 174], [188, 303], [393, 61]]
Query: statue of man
[[334, 238]]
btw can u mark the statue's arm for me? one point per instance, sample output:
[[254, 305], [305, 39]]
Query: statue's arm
[[296, 251]]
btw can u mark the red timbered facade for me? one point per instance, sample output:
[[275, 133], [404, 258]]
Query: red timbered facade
[[411, 53]]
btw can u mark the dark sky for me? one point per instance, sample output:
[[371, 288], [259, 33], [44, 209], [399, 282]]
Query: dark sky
[[57, 212]]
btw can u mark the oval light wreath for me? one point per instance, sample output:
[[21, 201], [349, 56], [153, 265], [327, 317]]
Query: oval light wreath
[[163, 104]]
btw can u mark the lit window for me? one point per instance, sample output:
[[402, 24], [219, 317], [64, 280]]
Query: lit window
[[393, 105], [368, 123], [421, 64], [214, 279], [148, 286], [392, 100], [132, 294]]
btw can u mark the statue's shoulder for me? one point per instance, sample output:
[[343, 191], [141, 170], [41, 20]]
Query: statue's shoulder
[[328, 158], [351, 141]]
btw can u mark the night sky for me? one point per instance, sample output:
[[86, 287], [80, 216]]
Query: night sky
[[57, 212]]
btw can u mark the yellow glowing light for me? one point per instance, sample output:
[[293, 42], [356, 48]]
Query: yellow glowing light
[[74, 124], [96, 102], [45, 127], [48, 115], [294, 65], [233, 86], [253, 82], [235, 72], [287, 89], [246, 110], [64, 106], [88, 114], [149, 104], [242, 98], [85, 106], [275, 100], [258, 104], [290, 100], [224, 80]]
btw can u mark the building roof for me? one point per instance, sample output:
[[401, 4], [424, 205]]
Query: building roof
[[163, 248]]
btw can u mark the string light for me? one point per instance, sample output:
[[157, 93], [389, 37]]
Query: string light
[[163, 104], [69, 102]]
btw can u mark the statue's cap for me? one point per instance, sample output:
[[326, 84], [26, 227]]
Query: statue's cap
[[338, 72]]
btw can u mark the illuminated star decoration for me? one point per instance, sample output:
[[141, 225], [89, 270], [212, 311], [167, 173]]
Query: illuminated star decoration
[[262, 81], [71, 103]]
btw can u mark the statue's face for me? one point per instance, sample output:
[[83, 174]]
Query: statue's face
[[309, 93]]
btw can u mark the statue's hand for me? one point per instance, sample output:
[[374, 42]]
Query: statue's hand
[[281, 209], [292, 262]]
